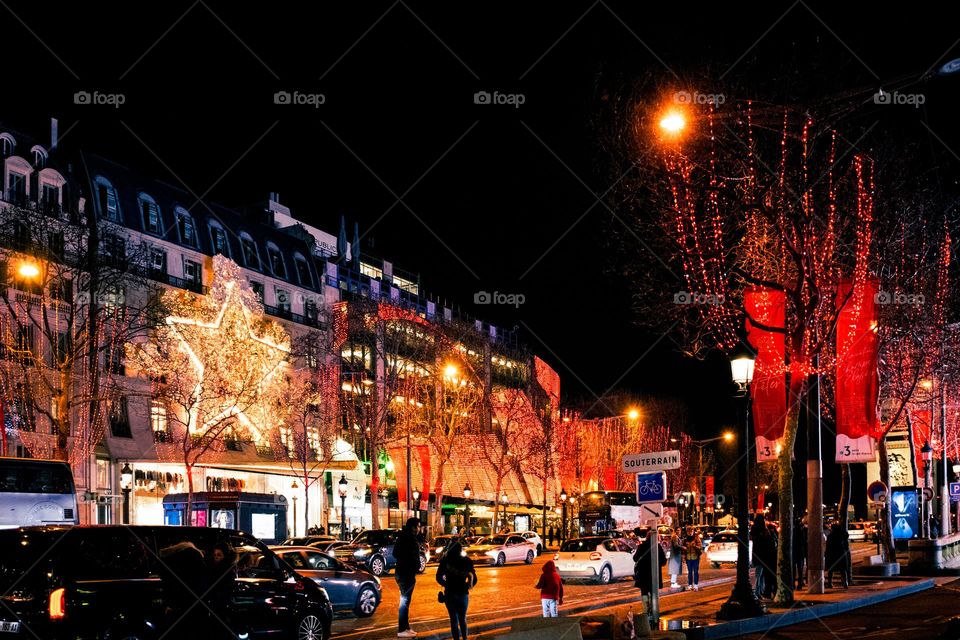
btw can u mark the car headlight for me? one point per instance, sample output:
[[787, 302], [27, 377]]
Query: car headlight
[[439, 549], [361, 552], [492, 553]]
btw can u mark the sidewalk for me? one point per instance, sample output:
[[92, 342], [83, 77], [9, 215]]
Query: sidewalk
[[694, 613]]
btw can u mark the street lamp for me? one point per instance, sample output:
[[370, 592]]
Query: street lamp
[[466, 507], [126, 482], [573, 501], [343, 505], [563, 517], [726, 436], [294, 486], [926, 452], [28, 270], [504, 499], [672, 123], [743, 602]]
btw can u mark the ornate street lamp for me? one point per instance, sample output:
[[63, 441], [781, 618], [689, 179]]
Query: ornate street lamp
[[743, 602], [563, 518], [126, 483], [926, 452], [294, 486], [343, 505], [466, 508]]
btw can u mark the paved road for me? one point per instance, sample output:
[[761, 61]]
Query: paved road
[[921, 616], [500, 592]]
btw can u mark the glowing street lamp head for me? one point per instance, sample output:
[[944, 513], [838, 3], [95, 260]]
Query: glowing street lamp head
[[728, 436], [28, 270], [672, 123], [451, 371], [633, 414]]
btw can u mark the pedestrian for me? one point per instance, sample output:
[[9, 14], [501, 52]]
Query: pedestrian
[[771, 562], [692, 550], [675, 563], [551, 589], [222, 579], [406, 552], [184, 579], [457, 576], [550, 537], [762, 546], [800, 541], [837, 555]]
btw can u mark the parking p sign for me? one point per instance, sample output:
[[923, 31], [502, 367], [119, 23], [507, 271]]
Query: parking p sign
[[955, 491], [651, 487]]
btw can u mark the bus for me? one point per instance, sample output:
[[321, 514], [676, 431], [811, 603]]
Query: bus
[[36, 492], [608, 511]]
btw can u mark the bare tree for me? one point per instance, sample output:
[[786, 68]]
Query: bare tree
[[514, 438]]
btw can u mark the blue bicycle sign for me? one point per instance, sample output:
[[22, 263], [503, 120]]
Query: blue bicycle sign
[[651, 487]]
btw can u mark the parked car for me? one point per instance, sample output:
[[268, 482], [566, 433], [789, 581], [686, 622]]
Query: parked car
[[723, 548], [499, 550], [373, 550], [348, 588], [439, 545], [328, 546], [595, 558], [856, 531], [305, 541], [533, 537], [110, 582]]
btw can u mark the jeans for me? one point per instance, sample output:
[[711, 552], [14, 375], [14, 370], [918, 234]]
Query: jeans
[[549, 607], [406, 585], [457, 608], [760, 585], [693, 572]]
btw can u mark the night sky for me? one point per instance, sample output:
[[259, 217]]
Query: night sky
[[472, 197]]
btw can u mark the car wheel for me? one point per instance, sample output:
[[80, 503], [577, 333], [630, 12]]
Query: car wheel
[[605, 574], [529, 559], [501, 560], [715, 565], [423, 564], [310, 628], [366, 602], [377, 566]]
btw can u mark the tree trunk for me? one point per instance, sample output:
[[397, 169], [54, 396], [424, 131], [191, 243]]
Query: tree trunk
[[496, 502], [887, 549], [438, 504], [306, 503], [188, 512], [844, 505], [785, 582], [375, 493]]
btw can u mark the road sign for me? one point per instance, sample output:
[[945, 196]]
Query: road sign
[[955, 491], [651, 510], [876, 490], [655, 461], [651, 487], [927, 494]]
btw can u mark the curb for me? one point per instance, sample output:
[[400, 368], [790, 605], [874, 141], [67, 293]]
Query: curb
[[776, 620]]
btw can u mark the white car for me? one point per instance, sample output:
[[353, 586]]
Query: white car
[[857, 532], [533, 537], [723, 548], [594, 558], [501, 549]]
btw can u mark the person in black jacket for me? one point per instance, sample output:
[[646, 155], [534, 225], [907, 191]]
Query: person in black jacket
[[406, 551], [800, 552], [643, 564], [838, 555], [457, 576]]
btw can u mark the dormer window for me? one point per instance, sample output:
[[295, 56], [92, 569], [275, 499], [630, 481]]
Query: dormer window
[[39, 157], [107, 200], [277, 265], [219, 239], [251, 258], [7, 144], [303, 271], [150, 213], [187, 229]]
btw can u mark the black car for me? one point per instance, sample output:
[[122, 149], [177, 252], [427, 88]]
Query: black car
[[373, 550], [306, 541], [349, 588], [144, 582]]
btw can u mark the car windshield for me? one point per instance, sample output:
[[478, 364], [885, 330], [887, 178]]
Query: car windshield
[[724, 537], [495, 540], [581, 544], [375, 537]]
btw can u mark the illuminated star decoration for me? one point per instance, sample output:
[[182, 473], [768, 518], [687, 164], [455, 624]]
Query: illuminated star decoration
[[237, 356]]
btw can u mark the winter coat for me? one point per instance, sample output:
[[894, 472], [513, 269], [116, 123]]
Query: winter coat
[[456, 573], [838, 549], [675, 563], [406, 551], [642, 561], [550, 584]]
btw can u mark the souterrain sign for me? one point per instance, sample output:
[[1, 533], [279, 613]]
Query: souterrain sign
[[655, 461]]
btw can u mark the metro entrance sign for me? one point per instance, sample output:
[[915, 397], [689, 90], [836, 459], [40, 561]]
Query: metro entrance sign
[[655, 461]]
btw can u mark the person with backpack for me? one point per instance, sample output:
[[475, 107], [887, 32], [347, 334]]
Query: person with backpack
[[551, 589], [457, 575]]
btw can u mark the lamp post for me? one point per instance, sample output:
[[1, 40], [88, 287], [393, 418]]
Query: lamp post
[[294, 486], [743, 602], [126, 482], [343, 505], [573, 501], [563, 517], [727, 436], [466, 508], [926, 452], [416, 502], [503, 500]]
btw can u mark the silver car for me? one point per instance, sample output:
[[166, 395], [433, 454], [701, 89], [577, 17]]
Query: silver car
[[349, 588], [499, 550]]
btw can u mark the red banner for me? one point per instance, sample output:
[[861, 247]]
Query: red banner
[[857, 377], [760, 504], [708, 493], [399, 457], [768, 390], [610, 478]]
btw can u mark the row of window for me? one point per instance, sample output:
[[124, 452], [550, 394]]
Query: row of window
[[187, 235], [8, 144]]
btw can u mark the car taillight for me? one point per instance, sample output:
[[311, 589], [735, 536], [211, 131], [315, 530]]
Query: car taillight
[[556, 556], [596, 555], [58, 604]]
